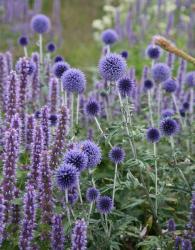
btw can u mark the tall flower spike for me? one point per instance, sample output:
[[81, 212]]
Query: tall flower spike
[[35, 81], [59, 141], [23, 70], [45, 188], [12, 96], [53, 95], [57, 238], [3, 77], [30, 124], [28, 223], [2, 218], [45, 127], [36, 156], [79, 235], [9, 169], [16, 124]]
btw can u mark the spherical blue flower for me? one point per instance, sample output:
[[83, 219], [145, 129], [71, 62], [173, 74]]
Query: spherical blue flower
[[117, 155], [124, 54], [168, 127], [104, 204], [51, 47], [170, 85], [167, 113], [58, 59], [148, 84], [74, 81], [40, 23], [92, 107], [125, 86], [153, 51], [92, 194], [77, 158], [153, 135], [109, 36], [160, 72], [93, 153], [190, 79], [53, 119], [23, 41], [112, 67], [59, 68], [182, 112], [66, 176], [186, 105]]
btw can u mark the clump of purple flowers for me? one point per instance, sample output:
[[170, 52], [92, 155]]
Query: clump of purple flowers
[[79, 235]]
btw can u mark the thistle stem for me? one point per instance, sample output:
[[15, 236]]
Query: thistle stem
[[79, 190], [150, 108], [156, 179], [72, 112], [177, 109], [127, 128], [90, 210], [114, 186], [41, 48], [25, 51], [173, 148], [159, 101], [77, 113], [102, 132], [67, 208]]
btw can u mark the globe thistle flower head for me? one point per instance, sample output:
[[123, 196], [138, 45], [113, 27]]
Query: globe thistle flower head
[[161, 72], [167, 113], [58, 59], [182, 112], [148, 84], [76, 158], [53, 118], [171, 225], [117, 155], [190, 79], [92, 194], [152, 135], [93, 153], [109, 36], [112, 67], [186, 105], [170, 85], [124, 54], [74, 81], [104, 204], [59, 68], [125, 86], [40, 23], [153, 51], [92, 107], [66, 176], [23, 41], [169, 127], [51, 47]]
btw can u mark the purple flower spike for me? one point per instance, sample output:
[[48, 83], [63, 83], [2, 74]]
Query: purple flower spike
[[36, 155], [9, 61], [12, 96], [45, 126], [35, 80], [59, 141], [9, 169], [171, 225], [3, 79], [79, 235], [53, 95], [45, 187], [30, 131], [2, 218], [57, 237], [28, 223]]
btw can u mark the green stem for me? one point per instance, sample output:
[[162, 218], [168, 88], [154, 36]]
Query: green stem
[[90, 210], [72, 112], [25, 51], [102, 132], [156, 179], [114, 187], [41, 48], [67, 207], [77, 113], [79, 190], [150, 108], [177, 109], [159, 101]]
